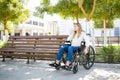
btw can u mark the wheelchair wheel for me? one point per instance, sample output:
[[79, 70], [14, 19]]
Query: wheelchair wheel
[[75, 62], [75, 68], [88, 60]]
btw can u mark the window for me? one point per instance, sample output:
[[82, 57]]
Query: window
[[29, 22], [35, 23], [35, 34], [117, 31], [17, 34], [40, 34], [41, 24]]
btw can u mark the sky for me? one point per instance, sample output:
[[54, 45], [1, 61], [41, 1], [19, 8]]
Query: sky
[[32, 4]]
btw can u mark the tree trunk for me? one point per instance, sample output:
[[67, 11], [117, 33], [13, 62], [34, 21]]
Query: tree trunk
[[83, 10], [5, 26], [5, 32], [76, 15], [105, 36], [77, 19]]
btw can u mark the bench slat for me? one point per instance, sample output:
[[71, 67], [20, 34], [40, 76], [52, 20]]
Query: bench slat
[[29, 50], [52, 43], [35, 40], [38, 37], [32, 47]]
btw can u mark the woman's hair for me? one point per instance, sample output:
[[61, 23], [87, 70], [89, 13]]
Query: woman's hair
[[79, 30]]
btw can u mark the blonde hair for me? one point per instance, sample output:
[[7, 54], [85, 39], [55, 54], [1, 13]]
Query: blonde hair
[[79, 30]]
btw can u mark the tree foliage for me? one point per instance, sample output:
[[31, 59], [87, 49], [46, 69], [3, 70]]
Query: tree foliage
[[12, 11], [65, 8], [45, 6], [99, 24], [107, 10]]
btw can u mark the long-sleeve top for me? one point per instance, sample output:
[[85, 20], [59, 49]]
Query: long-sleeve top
[[76, 41]]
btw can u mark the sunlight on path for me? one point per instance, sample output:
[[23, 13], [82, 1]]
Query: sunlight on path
[[40, 70]]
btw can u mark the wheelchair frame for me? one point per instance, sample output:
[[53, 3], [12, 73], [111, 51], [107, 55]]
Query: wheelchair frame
[[79, 58]]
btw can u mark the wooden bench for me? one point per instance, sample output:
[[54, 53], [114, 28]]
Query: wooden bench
[[43, 47]]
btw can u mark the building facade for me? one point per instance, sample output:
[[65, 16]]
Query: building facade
[[35, 27]]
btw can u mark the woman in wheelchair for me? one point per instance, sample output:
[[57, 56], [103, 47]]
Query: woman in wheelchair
[[76, 38]]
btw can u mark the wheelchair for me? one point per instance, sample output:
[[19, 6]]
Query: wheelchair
[[79, 58]]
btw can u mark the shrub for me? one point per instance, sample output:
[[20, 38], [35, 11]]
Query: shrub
[[108, 51], [3, 44], [111, 54], [117, 58]]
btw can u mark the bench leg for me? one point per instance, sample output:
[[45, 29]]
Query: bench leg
[[34, 57], [12, 58], [28, 59], [3, 58]]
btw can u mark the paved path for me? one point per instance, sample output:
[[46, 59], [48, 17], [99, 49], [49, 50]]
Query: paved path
[[40, 70]]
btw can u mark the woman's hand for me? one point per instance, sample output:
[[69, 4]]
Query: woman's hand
[[86, 50]]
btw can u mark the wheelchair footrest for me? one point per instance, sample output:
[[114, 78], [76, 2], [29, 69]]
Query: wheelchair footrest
[[69, 68]]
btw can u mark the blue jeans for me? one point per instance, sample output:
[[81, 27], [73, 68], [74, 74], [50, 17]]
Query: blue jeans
[[69, 49]]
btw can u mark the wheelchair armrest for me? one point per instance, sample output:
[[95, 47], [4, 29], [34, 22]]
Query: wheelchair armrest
[[67, 43], [82, 43]]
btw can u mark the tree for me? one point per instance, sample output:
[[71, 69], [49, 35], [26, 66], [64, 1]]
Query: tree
[[65, 8], [106, 11], [45, 6], [12, 11], [68, 8]]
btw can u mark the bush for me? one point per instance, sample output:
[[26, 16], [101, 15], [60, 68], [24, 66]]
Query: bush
[[108, 50], [109, 53], [117, 58], [3, 44]]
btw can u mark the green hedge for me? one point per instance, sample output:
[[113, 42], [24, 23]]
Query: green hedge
[[108, 54]]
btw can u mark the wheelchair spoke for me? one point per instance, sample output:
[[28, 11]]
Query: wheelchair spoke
[[88, 60]]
